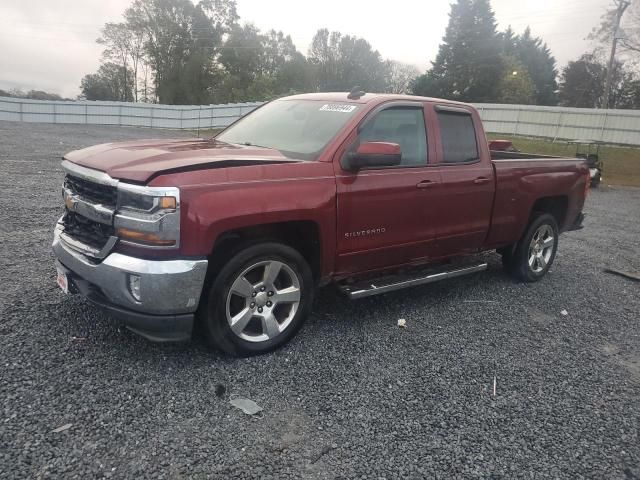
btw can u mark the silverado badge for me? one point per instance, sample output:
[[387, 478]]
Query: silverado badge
[[365, 233]]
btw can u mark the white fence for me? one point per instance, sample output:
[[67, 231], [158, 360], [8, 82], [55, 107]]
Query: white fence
[[611, 126], [122, 113]]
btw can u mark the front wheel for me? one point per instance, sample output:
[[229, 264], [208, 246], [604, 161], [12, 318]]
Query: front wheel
[[536, 250], [259, 300]]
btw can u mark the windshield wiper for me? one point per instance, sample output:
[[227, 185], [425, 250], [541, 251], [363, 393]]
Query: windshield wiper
[[249, 144]]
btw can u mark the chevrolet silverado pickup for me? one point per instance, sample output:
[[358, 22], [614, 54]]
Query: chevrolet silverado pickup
[[370, 192]]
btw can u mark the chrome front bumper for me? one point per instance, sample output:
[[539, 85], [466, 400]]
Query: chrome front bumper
[[167, 287]]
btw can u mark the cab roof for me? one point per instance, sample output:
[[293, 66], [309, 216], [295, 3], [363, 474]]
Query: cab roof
[[367, 98]]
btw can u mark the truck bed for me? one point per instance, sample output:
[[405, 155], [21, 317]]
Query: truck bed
[[522, 179]]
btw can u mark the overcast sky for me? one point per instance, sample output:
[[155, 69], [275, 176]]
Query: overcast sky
[[50, 44]]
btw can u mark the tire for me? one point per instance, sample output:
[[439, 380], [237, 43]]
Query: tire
[[595, 181], [536, 250], [266, 291]]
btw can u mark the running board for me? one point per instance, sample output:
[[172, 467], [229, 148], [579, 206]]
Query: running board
[[397, 282]]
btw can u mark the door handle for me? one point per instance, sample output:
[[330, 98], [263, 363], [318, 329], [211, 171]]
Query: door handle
[[481, 180], [426, 184]]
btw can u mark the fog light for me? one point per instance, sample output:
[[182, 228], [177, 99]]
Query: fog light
[[134, 286]]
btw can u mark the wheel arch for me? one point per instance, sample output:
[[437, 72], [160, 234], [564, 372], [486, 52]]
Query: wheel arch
[[557, 206], [302, 235]]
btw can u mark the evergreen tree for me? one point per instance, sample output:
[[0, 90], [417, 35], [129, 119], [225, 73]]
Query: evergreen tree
[[509, 38], [541, 66], [469, 63], [516, 86]]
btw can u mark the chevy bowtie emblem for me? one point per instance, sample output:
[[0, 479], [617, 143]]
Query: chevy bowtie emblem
[[70, 202]]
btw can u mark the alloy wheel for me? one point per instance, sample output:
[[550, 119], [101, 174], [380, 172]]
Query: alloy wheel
[[541, 248], [263, 301]]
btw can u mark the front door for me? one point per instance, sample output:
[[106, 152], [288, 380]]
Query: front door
[[385, 214]]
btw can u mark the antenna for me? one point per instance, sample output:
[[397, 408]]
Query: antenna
[[355, 93]]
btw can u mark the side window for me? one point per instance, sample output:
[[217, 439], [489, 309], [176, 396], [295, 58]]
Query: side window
[[401, 125], [458, 137]]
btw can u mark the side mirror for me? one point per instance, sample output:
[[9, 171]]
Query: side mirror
[[372, 155]]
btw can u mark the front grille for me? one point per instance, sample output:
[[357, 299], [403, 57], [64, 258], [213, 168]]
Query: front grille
[[92, 192], [86, 231]]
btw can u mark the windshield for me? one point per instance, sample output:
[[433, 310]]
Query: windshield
[[298, 128]]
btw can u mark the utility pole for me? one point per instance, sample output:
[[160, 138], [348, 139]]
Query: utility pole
[[622, 6]]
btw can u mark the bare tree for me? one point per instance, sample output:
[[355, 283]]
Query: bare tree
[[629, 33], [146, 86], [116, 37], [136, 53], [400, 76]]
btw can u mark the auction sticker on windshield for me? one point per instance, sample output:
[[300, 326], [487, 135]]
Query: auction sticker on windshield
[[336, 107]]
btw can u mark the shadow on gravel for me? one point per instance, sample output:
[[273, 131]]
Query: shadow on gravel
[[88, 325]]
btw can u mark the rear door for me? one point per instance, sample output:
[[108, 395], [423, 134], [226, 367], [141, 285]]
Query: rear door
[[467, 177], [384, 214]]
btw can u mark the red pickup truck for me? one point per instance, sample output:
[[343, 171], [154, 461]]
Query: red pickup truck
[[370, 192]]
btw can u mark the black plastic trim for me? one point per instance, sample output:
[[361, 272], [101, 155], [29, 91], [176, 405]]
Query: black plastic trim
[[219, 164], [452, 109], [577, 224]]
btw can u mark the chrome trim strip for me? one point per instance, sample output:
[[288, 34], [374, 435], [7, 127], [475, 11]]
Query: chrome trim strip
[[540, 158], [166, 224], [83, 248], [168, 287], [414, 282], [88, 250], [78, 246], [88, 174], [151, 191], [93, 211]]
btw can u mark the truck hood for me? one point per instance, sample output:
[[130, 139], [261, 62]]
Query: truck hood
[[140, 160]]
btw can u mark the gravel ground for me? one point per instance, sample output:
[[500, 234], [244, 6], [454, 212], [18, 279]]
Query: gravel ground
[[352, 396]]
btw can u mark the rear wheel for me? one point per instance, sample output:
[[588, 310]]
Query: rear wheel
[[534, 254], [259, 300]]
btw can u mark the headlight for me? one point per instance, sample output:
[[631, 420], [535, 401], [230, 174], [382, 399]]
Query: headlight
[[144, 199], [148, 216]]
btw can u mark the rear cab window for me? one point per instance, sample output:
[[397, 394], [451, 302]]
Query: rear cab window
[[458, 135]]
